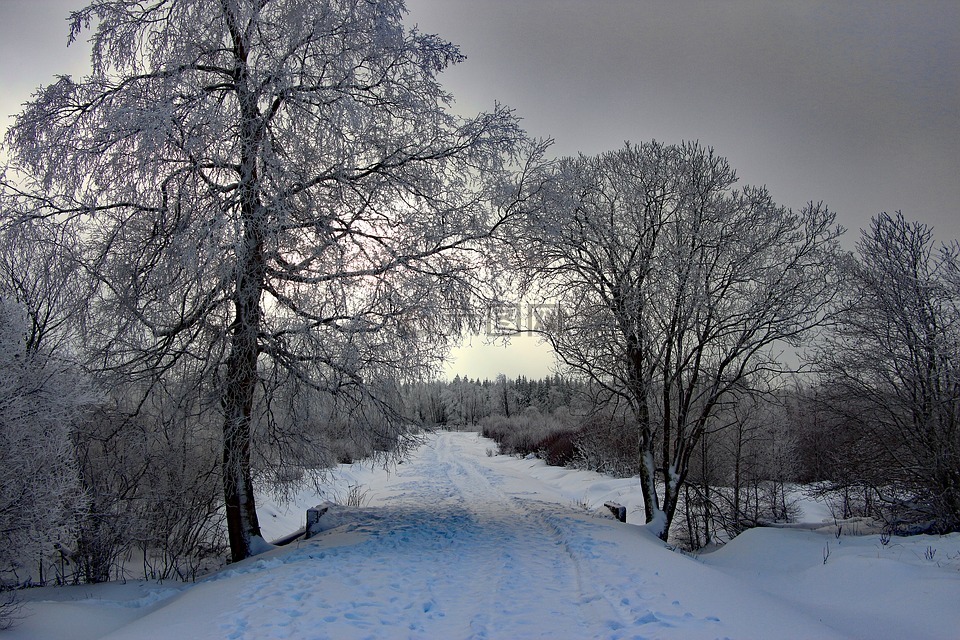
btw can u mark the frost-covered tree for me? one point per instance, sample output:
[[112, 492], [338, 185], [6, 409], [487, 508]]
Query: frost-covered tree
[[892, 375], [38, 273], [41, 399], [674, 289], [274, 191]]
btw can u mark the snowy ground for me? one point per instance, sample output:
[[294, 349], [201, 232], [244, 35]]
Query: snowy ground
[[455, 543]]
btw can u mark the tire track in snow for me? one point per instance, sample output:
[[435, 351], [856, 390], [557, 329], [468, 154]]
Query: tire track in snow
[[611, 598], [537, 554], [540, 553]]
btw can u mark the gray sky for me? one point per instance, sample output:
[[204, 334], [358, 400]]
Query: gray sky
[[853, 102]]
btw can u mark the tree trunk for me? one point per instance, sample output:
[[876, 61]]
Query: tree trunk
[[671, 498], [648, 476], [738, 458], [648, 486], [705, 479], [243, 526], [240, 385]]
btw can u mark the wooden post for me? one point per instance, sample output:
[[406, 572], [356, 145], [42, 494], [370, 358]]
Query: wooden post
[[618, 510], [313, 516]]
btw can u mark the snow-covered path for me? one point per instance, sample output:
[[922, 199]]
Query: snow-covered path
[[456, 544], [449, 554]]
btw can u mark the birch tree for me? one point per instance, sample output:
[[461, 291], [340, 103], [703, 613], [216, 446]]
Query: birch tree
[[675, 288], [275, 191]]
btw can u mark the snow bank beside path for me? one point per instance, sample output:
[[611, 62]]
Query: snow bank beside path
[[906, 588], [86, 612]]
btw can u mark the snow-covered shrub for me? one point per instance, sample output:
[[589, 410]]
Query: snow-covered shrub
[[152, 471], [41, 399], [529, 432], [559, 448], [607, 443]]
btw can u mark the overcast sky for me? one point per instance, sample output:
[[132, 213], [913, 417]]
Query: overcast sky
[[852, 102]]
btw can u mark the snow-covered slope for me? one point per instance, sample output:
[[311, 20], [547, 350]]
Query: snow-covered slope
[[458, 544]]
